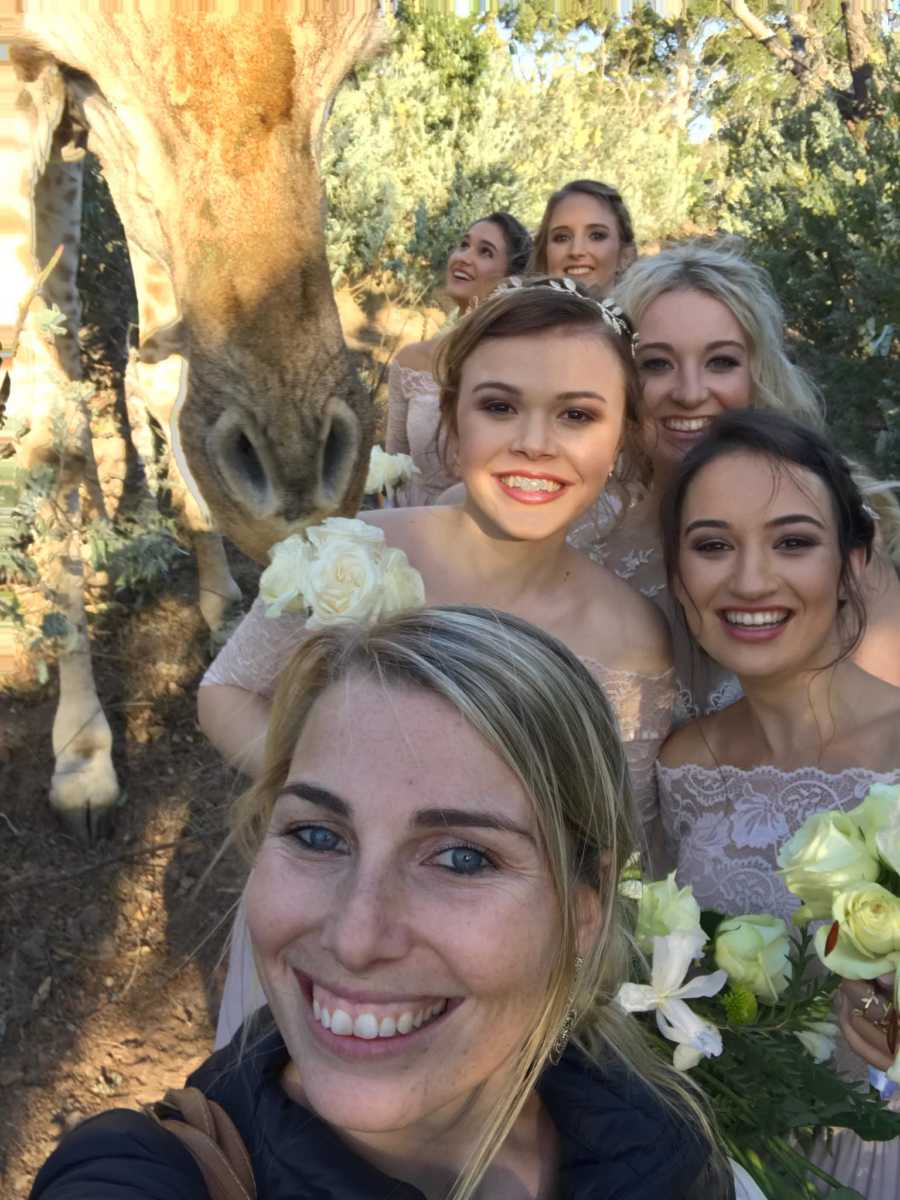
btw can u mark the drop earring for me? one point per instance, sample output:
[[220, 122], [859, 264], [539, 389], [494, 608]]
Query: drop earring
[[565, 1032]]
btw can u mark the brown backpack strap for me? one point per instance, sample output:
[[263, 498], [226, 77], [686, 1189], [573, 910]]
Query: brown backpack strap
[[210, 1136]]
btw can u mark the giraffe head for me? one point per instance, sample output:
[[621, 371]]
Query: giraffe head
[[208, 128]]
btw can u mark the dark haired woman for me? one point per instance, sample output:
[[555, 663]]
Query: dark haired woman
[[586, 234], [494, 247], [766, 538]]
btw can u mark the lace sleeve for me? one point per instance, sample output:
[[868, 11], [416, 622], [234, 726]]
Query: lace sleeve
[[396, 439], [643, 708], [257, 651]]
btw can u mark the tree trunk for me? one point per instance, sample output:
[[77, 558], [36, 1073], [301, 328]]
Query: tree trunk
[[859, 56]]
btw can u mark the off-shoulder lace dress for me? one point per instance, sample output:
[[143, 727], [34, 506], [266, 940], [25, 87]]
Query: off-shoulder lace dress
[[258, 651], [724, 826], [630, 547], [412, 427]]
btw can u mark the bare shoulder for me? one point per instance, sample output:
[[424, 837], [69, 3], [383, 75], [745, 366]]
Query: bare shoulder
[[688, 745], [418, 356], [629, 630], [407, 529]]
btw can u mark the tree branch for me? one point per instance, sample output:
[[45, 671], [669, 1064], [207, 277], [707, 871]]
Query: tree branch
[[765, 36]]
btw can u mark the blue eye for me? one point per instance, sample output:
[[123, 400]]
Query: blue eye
[[464, 860], [317, 838], [654, 364]]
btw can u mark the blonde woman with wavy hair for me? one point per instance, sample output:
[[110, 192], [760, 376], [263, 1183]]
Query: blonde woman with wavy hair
[[436, 839], [710, 340]]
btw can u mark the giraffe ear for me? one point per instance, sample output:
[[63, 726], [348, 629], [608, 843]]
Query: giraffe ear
[[169, 339]]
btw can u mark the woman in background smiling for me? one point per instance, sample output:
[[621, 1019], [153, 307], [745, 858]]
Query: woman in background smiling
[[494, 247], [711, 340], [586, 234]]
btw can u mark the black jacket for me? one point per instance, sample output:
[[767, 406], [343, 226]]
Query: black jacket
[[616, 1143]]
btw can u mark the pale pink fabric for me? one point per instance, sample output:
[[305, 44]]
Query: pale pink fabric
[[724, 826], [412, 428]]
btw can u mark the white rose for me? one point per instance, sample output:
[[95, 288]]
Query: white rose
[[348, 529], [879, 810], [665, 908], [825, 855], [403, 585], [345, 583], [887, 843], [755, 950], [282, 584]]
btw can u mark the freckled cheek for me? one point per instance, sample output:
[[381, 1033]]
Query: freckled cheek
[[282, 903], [502, 965]]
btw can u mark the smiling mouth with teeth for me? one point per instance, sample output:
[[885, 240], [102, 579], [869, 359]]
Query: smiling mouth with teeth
[[370, 1021], [737, 616], [687, 424], [525, 483]]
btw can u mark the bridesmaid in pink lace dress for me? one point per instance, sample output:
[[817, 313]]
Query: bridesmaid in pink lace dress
[[540, 393], [767, 538], [492, 248]]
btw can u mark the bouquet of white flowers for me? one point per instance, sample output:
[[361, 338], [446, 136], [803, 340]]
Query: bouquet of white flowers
[[845, 867], [340, 570], [753, 1023]]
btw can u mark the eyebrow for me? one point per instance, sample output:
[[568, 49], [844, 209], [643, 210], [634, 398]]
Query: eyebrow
[[775, 523], [718, 345], [425, 818], [499, 386], [590, 225]]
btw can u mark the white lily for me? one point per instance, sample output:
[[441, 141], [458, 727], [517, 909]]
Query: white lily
[[666, 995]]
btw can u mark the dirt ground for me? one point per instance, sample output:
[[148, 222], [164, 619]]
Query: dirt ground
[[109, 975]]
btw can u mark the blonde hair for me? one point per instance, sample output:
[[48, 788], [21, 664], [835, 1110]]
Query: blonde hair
[[879, 495], [539, 709], [721, 271]]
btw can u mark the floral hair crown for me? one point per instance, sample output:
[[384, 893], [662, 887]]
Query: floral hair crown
[[612, 313]]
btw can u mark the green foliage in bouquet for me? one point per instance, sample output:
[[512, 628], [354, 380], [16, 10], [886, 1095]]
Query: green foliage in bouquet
[[771, 1096]]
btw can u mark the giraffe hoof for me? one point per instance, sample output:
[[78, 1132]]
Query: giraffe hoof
[[85, 799]]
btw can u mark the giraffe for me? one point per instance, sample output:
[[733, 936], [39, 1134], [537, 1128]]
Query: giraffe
[[207, 121]]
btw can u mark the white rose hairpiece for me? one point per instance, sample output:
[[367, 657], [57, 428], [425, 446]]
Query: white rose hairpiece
[[612, 313], [387, 472], [338, 571]]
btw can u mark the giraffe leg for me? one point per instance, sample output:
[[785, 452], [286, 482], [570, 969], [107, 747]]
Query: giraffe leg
[[153, 390], [46, 409]]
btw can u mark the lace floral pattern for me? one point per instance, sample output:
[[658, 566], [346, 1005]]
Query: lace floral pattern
[[725, 826], [630, 549], [413, 420]]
